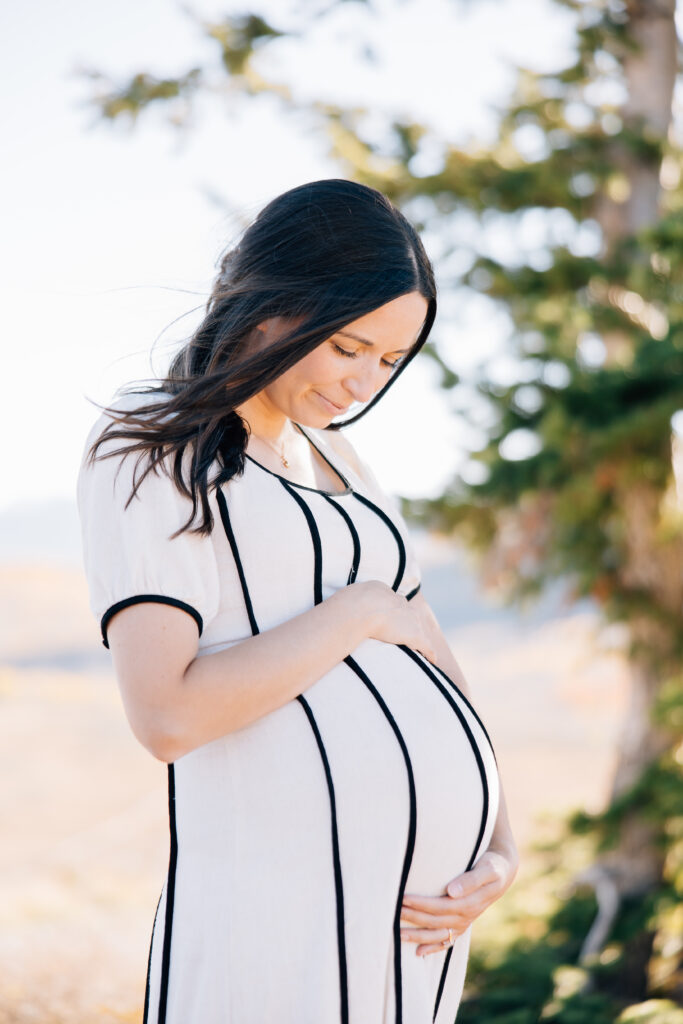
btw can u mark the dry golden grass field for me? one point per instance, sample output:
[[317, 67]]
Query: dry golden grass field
[[83, 806]]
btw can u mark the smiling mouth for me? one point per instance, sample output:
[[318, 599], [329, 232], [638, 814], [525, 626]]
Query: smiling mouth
[[340, 408]]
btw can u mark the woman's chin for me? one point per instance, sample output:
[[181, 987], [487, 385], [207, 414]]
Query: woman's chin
[[317, 412], [320, 422]]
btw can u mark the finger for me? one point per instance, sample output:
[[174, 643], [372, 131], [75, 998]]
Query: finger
[[426, 653], [439, 905], [423, 934], [487, 869], [466, 912], [428, 948], [425, 948], [428, 904], [416, 919], [475, 901]]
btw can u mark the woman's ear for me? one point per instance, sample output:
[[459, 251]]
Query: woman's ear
[[264, 334], [272, 329]]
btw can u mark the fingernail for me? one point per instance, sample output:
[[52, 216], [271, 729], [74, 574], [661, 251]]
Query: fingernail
[[455, 890]]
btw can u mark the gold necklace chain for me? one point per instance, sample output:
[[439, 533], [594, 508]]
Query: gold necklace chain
[[281, 454]]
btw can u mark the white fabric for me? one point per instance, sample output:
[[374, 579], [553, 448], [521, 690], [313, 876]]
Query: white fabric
[[127, 552], [255, 908]]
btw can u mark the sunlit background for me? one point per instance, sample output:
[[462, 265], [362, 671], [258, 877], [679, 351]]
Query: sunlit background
[[112, 237], [111, 240]]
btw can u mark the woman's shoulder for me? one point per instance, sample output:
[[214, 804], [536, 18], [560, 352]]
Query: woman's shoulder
[[107, 418], [127, 402], [108, 460]]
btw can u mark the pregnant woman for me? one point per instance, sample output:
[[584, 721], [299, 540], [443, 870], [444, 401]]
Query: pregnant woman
[[336, 816]]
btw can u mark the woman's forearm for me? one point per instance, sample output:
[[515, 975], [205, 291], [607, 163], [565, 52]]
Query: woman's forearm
[[228, 690], [177, 700]]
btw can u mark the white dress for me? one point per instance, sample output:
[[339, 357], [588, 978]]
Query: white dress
[[293, 839]]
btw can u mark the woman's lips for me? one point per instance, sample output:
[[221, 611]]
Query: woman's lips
[[332, 405]]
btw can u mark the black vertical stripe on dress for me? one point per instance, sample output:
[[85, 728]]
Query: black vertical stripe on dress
[[336, 859], [412, 831], [229, 532], [412, 818], [470, 706], [170, 893], [315, 538], [475, 749], [353, 572], [145, 1011], [427, 669], [396, 533]]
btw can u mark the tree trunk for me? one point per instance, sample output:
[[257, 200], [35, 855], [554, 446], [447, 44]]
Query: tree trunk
[[650, 77], [636, 864]]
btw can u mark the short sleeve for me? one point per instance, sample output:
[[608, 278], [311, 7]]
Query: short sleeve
[[128, 554]]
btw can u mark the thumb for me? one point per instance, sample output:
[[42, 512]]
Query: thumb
[[456, 886], [461, 885]]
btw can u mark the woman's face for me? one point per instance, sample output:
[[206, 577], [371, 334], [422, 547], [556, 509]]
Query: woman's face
[[350, 366]]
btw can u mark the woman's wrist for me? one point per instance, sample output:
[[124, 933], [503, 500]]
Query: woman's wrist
[[504, 849], [502, 841]]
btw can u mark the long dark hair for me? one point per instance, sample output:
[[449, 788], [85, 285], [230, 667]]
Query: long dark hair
[[323, 254]]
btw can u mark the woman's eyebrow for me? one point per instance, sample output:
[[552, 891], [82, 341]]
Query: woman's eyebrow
[[366, 341]]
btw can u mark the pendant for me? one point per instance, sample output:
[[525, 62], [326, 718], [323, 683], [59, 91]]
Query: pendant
[[284, 461]]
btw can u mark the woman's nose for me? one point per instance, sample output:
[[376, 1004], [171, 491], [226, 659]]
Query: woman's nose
[[362, 386]]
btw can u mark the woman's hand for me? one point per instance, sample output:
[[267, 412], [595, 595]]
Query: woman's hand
[[428, 918], [394, 619]]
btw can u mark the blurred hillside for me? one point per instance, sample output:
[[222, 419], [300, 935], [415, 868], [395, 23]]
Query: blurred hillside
[[40, 532], [84, 806]]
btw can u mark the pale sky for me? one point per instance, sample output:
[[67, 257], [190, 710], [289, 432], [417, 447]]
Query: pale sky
[[109, 235]]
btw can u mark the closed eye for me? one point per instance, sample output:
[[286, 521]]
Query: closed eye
[[354, 355]]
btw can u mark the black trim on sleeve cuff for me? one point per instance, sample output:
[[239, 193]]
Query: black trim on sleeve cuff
[[413, 592], [139, 599]]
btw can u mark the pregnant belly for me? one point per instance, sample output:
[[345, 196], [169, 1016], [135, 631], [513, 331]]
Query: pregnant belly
[[382, 765], [445, 752], [298, 834]]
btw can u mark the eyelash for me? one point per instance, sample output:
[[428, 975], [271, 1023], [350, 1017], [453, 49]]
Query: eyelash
[[353, 355]]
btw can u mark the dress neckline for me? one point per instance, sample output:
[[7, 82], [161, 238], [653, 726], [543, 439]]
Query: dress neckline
[[305, 487]]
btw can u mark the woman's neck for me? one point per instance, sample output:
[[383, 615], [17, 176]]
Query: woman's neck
[[265, 421]]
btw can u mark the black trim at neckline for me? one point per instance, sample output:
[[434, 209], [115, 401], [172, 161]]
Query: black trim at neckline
[[305, 487]]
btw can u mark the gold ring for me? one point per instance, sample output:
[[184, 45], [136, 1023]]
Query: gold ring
[[451, 938]]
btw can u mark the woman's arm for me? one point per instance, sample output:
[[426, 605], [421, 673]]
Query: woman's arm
[[176, 701]]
